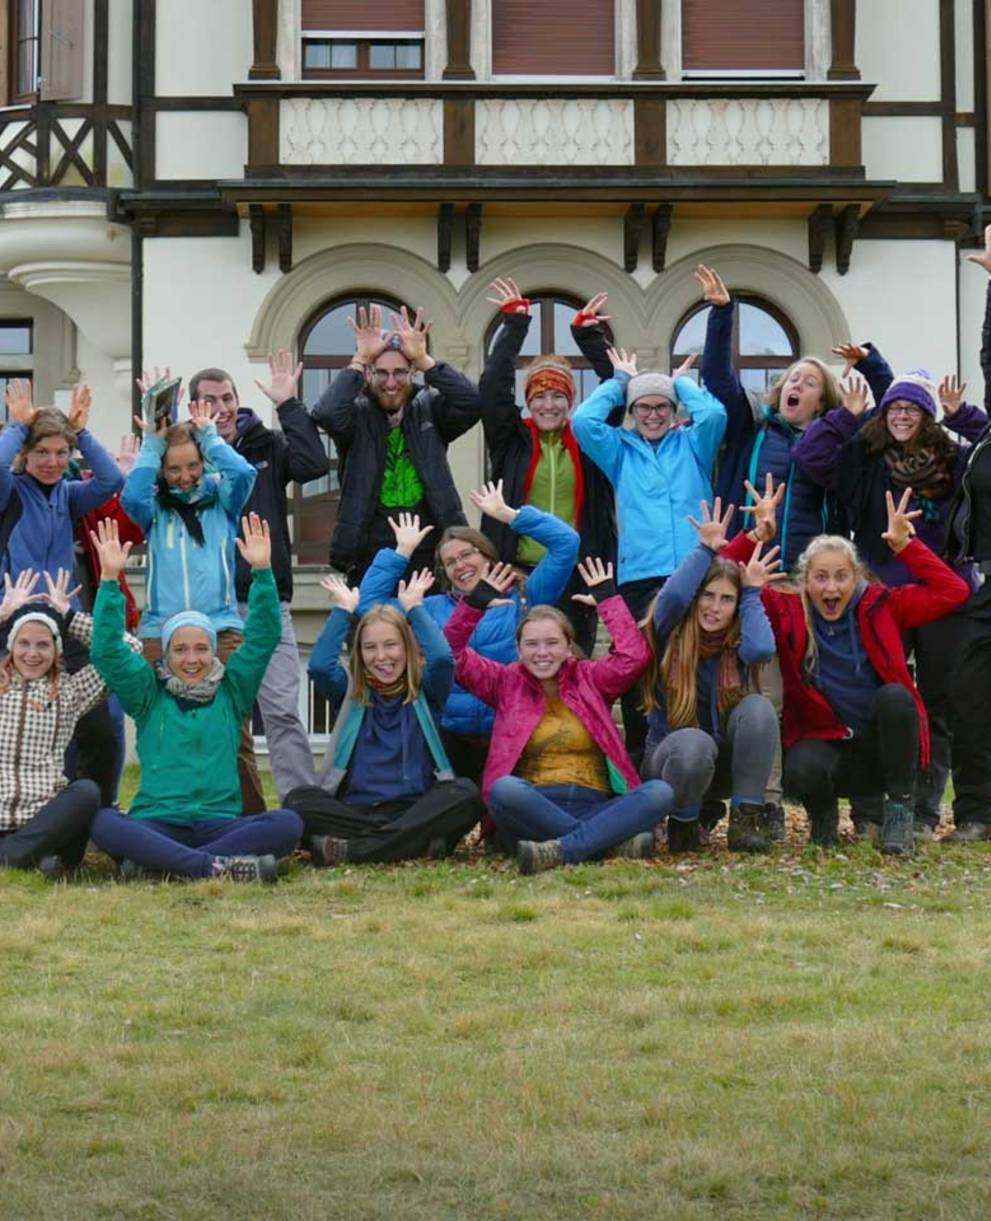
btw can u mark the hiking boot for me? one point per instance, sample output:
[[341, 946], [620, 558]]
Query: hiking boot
[[246, 868], [533, 856], [747, 829], [327, 850], [683, 835], [866, 832], [824, 826], [774, 821], [131, 871], [52, 867], [969, 833], [636, 848], [897, 830], [437, 848]]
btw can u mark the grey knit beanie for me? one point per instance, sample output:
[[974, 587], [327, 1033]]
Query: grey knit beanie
[[644, 384]]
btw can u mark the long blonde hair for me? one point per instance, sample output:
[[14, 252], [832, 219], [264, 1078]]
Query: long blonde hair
[[822, 542], [413, 676], [676, 671], [832, 396]]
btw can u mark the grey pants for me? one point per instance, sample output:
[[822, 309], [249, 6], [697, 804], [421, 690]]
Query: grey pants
[[695, 766], [289, 753]]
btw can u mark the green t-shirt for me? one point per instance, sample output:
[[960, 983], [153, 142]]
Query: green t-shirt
[[402, 486]]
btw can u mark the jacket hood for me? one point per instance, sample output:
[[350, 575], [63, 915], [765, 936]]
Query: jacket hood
[[250, 429]]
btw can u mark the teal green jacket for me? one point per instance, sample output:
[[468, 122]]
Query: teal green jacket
[[188, 755]]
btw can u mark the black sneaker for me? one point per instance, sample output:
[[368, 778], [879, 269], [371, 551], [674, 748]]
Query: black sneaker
[[747, 830], [683, 835], [437, 848], [774, 821], [533, 856], [824, 826], [328, 850], [898, 829], [247, 868], [636, 848], [52, 867]]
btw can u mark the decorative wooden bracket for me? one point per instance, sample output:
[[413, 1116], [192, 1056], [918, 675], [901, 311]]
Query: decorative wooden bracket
[[659, 230], [284, 222], [473, 234], [820, 223], [445, 223], [256, 219], [633, 223], [847, 225]]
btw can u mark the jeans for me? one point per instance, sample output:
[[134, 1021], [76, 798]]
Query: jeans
[[188, 850], [586, 821], [61, 827], [638, 596]]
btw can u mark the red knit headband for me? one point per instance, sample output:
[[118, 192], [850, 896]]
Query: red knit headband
[[550, 378]]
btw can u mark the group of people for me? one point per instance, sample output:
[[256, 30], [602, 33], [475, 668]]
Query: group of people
[[792, 584]]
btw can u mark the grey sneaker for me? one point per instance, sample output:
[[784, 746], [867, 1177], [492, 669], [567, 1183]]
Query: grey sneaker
[[636, 848], [774, 821], [683, 835], [327, 850], [971, 832], [824, 826], [247, 868], [747, 829], [897, 830], [53, 868], [533, 856]]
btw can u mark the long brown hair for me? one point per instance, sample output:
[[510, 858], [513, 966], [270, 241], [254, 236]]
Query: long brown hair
[[414, 657], [931, 435], [48, 422]]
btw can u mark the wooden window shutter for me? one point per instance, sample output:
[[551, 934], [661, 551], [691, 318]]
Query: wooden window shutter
[[363, 15], [742, 34], [61, 50], [553, 38]]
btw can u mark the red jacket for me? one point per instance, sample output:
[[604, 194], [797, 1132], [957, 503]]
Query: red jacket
[[883, 614], [129, 533]]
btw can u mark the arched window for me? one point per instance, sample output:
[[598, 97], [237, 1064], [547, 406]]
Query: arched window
[[550, 331], [326, 345], [764, 341]]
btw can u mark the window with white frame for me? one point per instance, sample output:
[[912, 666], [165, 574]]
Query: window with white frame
[[351, 39]]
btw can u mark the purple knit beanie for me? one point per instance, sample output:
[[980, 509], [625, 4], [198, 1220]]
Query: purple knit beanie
[[918, 387]]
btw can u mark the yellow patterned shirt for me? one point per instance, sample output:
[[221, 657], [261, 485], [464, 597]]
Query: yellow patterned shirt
[[561, 751]]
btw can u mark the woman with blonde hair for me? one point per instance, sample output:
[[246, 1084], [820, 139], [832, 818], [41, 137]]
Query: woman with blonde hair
[[387, 791]]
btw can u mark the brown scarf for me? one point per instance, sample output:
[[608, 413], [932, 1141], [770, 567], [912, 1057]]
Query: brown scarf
[[388, 691], [927, 473], [729, 690]]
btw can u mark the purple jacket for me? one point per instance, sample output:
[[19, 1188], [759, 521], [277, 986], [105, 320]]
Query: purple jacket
[[588, 688], [832, 452]]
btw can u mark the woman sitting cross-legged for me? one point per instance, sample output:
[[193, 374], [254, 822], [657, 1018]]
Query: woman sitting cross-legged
[[387, 791], [186, 818], [559, 783], [854, 722], [710, 733], [44, 821]]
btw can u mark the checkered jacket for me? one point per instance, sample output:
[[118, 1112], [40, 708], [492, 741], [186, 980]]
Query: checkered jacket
[[35, 730]]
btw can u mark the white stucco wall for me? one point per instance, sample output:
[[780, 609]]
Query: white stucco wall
[[906, 148], [898, 48], [973, 295], [119, 58], [201, 144], [202, 48]]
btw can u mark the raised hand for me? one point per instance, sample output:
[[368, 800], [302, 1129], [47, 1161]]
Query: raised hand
[[369, 341], [852, 353], [284, 376], [490, 502], [623, 361], [82, 400], [59, 594], [951, 390], [713, 289], [765, 508], [714, 524], [762, 569], [150, 376], [413, 338], [855, 393], [598, 576], [984, 258], [20, 406], [900, 529], [685, 365], [411, 593], [16, 593], [495, 581], [200, 415], [127, 452], [112, 552], [341, 595], [256, 548], [591, 313], [408, 533], [506, 293]]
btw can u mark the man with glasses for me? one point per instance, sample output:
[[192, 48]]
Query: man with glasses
[[392, 437]]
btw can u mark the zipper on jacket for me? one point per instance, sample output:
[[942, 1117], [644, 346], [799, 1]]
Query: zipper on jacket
[[185, 569]]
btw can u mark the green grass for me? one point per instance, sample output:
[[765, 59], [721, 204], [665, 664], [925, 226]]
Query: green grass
[[800, 1036]]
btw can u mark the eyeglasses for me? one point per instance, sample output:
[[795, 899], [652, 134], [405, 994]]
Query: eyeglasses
[[908, 410], [454, 560], [399, 375], [644, 413]]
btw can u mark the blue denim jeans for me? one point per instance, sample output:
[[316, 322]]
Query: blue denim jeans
[[585, 821]]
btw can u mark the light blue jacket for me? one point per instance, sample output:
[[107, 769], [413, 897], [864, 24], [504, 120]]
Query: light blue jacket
[[657, 486], [182, 575]]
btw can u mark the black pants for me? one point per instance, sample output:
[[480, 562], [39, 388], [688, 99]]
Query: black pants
[[884, 760], [394, 830], [61, 827], [95, 736], [637, 595], [969, 700]]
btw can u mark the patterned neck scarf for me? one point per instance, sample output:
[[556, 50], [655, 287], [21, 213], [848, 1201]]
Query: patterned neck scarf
[[201, 692]]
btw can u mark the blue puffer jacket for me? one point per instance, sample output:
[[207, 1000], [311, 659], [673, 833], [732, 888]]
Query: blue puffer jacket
[[495, 636], [182, 575], [657, 486]]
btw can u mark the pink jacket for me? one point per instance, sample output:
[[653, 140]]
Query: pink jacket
[[588, 688]]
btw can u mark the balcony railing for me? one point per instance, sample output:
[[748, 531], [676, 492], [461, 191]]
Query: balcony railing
[[54, 144]]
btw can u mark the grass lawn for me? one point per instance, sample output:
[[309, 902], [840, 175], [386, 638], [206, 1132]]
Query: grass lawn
[[797, 1036]]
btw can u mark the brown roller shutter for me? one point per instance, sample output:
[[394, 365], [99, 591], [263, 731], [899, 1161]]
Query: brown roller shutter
[[739, 34], [363, 15], [553, 38]]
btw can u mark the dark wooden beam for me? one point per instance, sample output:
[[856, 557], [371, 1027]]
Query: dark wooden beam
[[459, 131], [844, 133], [847, 226], [101, 51], [948, 92], [633, 224], [459, 41], [256, 220], [648, 41], [266, 24], [650, 139], [263, 130], [659, 229], [473, 234], [819, 224], [284, 231], [843, 20], [445, 226]]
